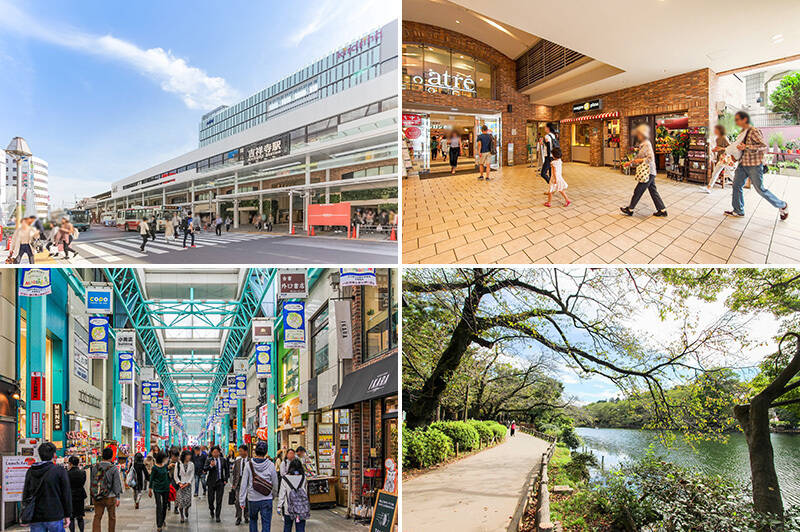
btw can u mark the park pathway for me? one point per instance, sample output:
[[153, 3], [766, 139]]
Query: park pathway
[[477, 494]]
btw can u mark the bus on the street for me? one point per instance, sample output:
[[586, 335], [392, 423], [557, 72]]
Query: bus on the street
[[128, 219], [81, 219]]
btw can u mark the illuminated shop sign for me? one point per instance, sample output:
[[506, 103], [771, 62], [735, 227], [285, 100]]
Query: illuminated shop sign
[[267, 149], [436, 81], [367, 41], [591, 105]]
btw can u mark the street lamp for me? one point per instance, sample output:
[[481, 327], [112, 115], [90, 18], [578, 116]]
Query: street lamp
[[18, 148]]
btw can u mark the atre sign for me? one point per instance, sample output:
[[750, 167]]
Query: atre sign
[[435, 81]]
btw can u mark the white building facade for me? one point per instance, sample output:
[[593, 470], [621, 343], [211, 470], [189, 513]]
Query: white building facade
[[35, 183]]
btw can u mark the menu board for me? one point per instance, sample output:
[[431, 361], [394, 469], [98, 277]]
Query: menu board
[[14, 470], [385, 512], [325, 450]]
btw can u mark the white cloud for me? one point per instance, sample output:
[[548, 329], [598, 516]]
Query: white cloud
[[343, 20], [197, 89]]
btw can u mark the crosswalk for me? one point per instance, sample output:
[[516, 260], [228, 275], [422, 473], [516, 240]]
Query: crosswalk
[[127, 247]]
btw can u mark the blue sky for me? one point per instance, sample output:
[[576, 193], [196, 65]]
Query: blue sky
[[102, 89]]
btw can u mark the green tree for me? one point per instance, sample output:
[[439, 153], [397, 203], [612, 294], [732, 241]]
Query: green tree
[[786, 97]]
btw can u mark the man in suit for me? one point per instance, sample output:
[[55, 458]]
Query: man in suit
[[216, 469]]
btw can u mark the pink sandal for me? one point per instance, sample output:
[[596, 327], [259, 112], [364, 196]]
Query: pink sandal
[[547, 204], [568, 204]]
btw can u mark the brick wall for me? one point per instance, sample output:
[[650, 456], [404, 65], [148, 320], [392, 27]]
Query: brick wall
[[505, 83]]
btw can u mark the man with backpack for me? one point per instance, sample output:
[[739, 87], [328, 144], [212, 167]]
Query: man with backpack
[[550, 142], [187, 225], [106, 489], [46, 495], [293, 503], [259, 486]]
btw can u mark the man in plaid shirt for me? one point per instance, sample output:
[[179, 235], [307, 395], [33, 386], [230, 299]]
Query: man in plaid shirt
[[751, 166]]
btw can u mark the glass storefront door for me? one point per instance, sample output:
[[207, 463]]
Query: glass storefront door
[[493, 123]]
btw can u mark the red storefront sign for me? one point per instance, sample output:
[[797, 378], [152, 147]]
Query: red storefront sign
[[413, 133], [329, 214], [411, 120], [37, 386]]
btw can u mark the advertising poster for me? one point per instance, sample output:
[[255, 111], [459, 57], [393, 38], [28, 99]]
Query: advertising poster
[[98, 337], [14, 470], [35, 282], [263, 361], [289, 414], [357, 277], [126, 368], [294, 325]]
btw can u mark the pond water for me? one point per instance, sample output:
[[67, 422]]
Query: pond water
[[717, 458]]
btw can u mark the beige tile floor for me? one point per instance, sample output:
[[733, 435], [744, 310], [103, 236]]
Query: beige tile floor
[[458, 219]]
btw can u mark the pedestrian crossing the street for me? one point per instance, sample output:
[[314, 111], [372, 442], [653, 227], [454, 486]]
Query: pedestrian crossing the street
[[127, 247]]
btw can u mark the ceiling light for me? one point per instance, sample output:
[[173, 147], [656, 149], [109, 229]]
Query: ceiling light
[[458, 22], [777, 38]]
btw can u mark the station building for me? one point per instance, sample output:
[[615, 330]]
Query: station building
[[325, 134]]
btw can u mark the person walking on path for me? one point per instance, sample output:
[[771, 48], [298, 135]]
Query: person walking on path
[[259, 486], [228, 223], [138, 478], [236, 483], [67, 231], [169, 230], [22, 241], [217, 469], [176, 223], [47, 488], [645, 155], [722, 161], [485, 142], [513, 428], [455, 150], [548, 143], [188, 228], [293, 502], [751, 166], [144, 232], [218, 225], [199, 461], [184, 474], [106, 490], [152, 226], [557, 183], [443, 147], [159, 485], [77, 481]]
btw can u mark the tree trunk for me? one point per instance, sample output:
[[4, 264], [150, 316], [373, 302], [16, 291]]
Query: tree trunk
[[754, 419]]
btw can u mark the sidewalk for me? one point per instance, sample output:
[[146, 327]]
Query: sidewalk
[[477, 494]]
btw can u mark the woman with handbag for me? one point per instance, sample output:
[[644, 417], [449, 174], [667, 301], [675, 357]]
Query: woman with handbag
[[184, 475], [160, 484], [137, 478], [645, 174]]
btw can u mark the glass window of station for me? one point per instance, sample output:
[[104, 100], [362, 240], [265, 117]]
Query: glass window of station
[[444, 71]]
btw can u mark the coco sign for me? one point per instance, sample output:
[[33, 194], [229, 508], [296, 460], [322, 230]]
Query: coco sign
[[437, 81]]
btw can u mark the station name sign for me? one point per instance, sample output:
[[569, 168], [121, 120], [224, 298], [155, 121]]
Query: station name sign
[[355, 47], [591, 105], [267, 149]]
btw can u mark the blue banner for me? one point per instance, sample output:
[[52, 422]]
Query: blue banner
[[357, 277], [98, 337], [99, 300], [263, 360], [241, 386], [126, 368], [294, 325], [35, 282]]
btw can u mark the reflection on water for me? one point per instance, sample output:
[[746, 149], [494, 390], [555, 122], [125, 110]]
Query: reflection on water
[[716, 458]]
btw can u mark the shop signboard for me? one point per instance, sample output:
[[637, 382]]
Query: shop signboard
[[127, 416], [125, 341], [435, 81], [37, 386], [263, 361], [35, 282], [148, 373], [294, 325], [344, 329], [292, 284], [591, 105], [98, 337], [262, 331], [263, 416], [58, 416], [80, 360], [15, 468], [357, 277], [411, 120], [241, 386], [289, 414], [99, 300], [36, 423], [413, 133], [240, 366], [267, 149], [384, 514], [126, 368]]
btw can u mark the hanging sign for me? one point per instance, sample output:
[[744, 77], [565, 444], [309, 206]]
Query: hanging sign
[[292, 284], [240, 366], [262, 330], [126, 368], [127, 417], [98, 337], [263, 361], [35, 282], [37, 386], [357, 277], [263, 416], [36, 423], [148, 373], [125, 341], [58, 416], [344, 329], [241, 386], [99, 300], [294, 325]]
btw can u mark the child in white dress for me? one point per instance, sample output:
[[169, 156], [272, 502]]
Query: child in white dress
[[557, 183]]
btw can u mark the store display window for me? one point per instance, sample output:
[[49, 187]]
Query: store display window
[[443, 71], [580, 134], [379, 309], [319, 340]]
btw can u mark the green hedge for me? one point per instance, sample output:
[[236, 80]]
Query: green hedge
[[461, 432], [425, 447], [484, 430]]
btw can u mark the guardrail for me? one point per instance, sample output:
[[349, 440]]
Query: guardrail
[[535, 493]]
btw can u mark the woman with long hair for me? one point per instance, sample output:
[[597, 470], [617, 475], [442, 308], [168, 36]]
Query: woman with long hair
[[455, 150], [722, 161], [159, 485], [140, 476], [184, 475], [645, 155]]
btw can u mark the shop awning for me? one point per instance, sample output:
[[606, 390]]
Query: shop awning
[[371, 382], [601, 116]]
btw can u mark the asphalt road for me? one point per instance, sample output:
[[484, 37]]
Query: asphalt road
[[107, 245]]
